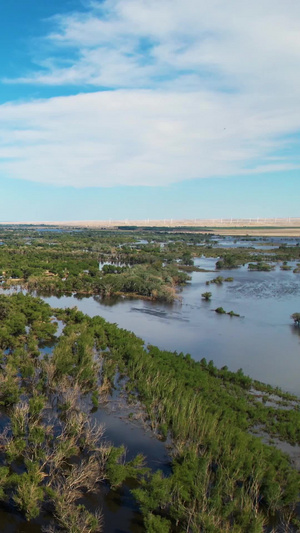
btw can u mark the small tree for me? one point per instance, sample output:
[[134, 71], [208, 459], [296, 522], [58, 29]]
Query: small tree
[[220, 310], [296, 318], [206, 295]]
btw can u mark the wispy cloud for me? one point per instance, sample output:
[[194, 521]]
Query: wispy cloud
[[192, 89], [133, 43]]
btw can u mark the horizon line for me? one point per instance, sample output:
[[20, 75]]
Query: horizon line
[[167, 222]]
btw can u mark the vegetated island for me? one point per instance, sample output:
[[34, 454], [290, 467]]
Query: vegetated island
[[222, 311]]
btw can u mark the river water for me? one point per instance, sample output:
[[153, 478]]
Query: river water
[[263, 341]]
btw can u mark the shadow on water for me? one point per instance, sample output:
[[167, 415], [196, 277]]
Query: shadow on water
[[295, 330], [161, 314]]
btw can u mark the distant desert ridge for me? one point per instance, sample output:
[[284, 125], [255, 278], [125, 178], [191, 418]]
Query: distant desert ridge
[[289, 226]]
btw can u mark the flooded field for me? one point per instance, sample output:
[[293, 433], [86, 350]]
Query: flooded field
[[262, 341]]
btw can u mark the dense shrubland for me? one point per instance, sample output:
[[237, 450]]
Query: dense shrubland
[[142, 263], [71, 264], [51, 454]]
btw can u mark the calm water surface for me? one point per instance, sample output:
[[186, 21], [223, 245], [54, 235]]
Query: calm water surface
[[263, 341], [258, 243]]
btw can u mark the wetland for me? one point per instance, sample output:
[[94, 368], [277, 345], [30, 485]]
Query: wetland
[[205, 404]]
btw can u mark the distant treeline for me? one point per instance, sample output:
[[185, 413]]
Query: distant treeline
[[143, 263]]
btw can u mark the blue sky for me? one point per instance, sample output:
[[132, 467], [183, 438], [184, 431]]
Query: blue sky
[[137, 109]]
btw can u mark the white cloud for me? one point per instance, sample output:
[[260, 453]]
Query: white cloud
[[200, 89], [140, 137], [137, 43]]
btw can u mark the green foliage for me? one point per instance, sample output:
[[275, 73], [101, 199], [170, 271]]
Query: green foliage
[[71, 264], [228, 261], [157, 524], [296, 318], [222, 311], [9, 386], [118, 470], [4, 481], [261, 266], [95, 398], [232, 313], [154, 493], [187, 259], [206, 295], [29, 494], [15, 448], [218, 280]]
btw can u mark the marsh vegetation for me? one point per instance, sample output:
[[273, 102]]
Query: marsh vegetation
[[53, 456]]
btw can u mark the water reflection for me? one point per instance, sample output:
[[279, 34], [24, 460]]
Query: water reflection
[[295, 330], [261, 343]]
